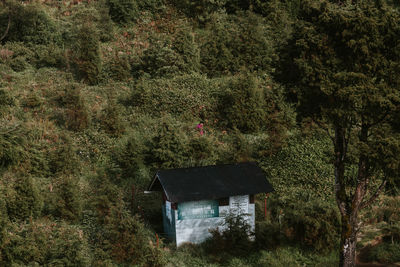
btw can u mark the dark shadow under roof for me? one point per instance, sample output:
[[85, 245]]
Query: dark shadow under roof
[[211, 182]]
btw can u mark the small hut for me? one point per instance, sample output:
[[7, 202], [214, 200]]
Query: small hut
[[196, 200]]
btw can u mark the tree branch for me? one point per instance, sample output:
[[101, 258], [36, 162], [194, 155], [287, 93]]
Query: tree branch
[[374, 196]]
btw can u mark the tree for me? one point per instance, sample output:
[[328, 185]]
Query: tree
[[346, 65]]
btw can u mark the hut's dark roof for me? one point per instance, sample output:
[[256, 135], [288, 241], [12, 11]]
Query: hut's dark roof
[[211, 182]]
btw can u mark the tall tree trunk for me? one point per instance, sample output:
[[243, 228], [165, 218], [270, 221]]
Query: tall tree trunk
[[348, 241], [349, 206]]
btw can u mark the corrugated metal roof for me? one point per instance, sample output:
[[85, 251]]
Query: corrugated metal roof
[[211, 182]]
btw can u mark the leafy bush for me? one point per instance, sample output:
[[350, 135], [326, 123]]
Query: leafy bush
[[234, 238], [186, 96], [123, 11], [314, 224], [12, 143], [233, 43], [385, 253], [22, 198], [200, 10], [301, 170], [75, 115], [18, 56], [168, 148], [111, 119], [30, 24], [268, 234], [86, 53], [242, 104], [45, 243], [64, 200]]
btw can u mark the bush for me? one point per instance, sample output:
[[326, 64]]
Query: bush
[[74, 116], [6, 101], [242, 104], [268, 234], [18, 56], [111, 119], [168, 148], [233, 43], [30, 24], [22, 198], [186, 96], [86, 52], [64, 201], [314, 224], [200, 10], [386, 253], [123, 11], [159, 60], [234, 238], [45, 243]]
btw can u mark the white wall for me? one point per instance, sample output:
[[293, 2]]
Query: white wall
[[197, 230]]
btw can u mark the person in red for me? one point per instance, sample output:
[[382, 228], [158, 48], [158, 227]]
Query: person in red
[[200, 128]]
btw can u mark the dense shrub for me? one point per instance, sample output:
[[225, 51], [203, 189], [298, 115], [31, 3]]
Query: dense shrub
[[6, 101], [268, 234], [30, 24], [123, 11], [313, 224], [45, 243], [232, 43], [118, 67], [64, 201], [242, 104], [188, 96], [12, 141], [74, 115], [22, 198], [86, 52], [200, 10], [168, 148], [184, 44], [234, 238], [386, 253], [160, 59], [111, 119], [301, 170]]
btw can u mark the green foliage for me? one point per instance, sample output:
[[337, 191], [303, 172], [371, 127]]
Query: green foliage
[[62, 158], [200, 10], [64, 200], [86, 52], [168, 147], [386, 253], [184, 44], [268, 234], [314, 225], [118, 67], [6, 101], [233, 237], [23, 199], [189, 96], [242, 104], [123, 11], [12, 143], [236, 42], [301, 170], [17, 56], [111, 118], [75, 116], [46, 243], [30, 24]]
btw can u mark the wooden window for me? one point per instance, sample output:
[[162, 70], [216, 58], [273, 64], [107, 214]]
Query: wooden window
[[251, 199], [224, 201]]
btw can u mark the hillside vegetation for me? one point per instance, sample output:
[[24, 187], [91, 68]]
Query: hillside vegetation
[[96, 96]]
